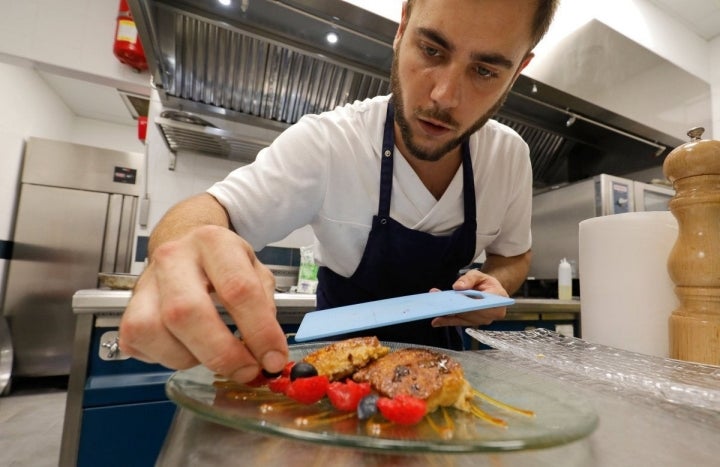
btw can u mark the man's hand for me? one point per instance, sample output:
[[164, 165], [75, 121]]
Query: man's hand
[[172, 319], [475, 280], [500, 275]]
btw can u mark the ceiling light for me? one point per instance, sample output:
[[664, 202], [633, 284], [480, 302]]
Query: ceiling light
[[225, 2], [332, 38]]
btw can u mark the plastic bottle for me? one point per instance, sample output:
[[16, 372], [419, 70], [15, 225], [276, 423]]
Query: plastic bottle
[[564, 280]]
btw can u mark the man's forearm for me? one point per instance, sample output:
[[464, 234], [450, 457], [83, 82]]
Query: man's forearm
[[510, 271], [193, 212]]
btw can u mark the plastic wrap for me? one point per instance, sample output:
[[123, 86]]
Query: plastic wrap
[[675, 381]]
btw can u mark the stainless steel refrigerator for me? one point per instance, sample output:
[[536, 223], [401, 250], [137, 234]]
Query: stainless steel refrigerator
[[557, 215], [75, 218]]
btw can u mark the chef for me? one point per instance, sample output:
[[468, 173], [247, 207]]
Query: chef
[[401, 191]]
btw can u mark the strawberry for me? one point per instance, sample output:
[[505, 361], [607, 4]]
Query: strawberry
[[308, 390], [346, 396], [402, 409]]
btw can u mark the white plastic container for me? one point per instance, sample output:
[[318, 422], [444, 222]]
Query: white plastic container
[[564, 280]]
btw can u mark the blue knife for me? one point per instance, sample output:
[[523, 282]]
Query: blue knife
[[375, 314]]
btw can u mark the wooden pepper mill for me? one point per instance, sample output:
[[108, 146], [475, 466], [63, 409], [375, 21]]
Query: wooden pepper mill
[[694, 261]]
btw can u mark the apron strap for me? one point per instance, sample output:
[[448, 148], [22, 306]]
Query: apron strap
[[386, 165], [468, 187]]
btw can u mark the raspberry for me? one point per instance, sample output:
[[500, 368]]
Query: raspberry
[[402, 409], [346, 396], [308, 390]]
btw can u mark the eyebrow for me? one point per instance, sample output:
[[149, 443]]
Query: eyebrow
[[491, 58]]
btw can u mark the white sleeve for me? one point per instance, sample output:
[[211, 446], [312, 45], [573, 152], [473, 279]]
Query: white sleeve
[[515, 237], [282, 190], [514, 182]]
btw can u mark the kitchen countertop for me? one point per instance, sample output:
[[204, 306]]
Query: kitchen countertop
[[107, 305], [114, 301]]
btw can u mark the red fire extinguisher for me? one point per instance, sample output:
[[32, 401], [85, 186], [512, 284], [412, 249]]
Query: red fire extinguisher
[[127, 47]]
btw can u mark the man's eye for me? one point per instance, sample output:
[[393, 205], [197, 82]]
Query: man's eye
[[484, 72], [431, 51]]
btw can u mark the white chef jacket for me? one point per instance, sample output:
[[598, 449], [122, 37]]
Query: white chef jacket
[[325, 171]]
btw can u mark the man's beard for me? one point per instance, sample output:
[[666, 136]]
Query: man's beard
[[436, 114]]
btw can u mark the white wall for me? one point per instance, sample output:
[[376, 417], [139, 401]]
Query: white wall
[[70, 37], [715, 82], [640, 21], [654, 70]]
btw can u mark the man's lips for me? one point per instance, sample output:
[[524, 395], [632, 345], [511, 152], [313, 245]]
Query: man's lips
[[434, 127]]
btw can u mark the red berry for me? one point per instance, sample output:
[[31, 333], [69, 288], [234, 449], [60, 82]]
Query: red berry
[[288, 367], [402, 409], [279, 385], [346, 396], [308, 390]]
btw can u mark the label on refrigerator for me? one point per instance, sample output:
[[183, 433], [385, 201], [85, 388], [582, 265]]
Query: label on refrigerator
[[125, 175]]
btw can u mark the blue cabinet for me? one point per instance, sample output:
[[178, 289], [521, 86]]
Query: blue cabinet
[[124, 435]]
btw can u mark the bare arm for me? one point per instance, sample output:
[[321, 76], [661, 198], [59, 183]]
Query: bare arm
[[172, 319], [185, 216], [510, 271], [501, 275]]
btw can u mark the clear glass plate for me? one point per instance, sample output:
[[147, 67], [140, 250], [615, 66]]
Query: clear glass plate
[[560, 416]]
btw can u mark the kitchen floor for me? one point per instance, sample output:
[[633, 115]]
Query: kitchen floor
[[31, 421]]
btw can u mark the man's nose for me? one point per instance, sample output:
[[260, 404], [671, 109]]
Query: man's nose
[[447, 90]]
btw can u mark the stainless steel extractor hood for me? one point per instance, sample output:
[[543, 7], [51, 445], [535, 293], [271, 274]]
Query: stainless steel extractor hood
[[262, 64], [268, 59]]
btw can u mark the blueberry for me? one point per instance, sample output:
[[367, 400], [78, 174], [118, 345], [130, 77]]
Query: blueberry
[[271, 375], [302, 370], [367, 406]]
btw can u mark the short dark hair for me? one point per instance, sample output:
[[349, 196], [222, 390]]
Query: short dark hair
[[541, 22]]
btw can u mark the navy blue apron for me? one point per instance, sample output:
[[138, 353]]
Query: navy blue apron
[[401, 261]]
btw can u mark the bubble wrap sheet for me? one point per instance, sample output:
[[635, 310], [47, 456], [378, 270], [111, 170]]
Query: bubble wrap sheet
[[675, 381]]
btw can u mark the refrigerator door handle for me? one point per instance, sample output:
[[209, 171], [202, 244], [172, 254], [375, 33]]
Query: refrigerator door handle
[[112, 232], [126, 234]]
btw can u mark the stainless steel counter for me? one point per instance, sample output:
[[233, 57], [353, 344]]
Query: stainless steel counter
[[115, 301], [107, 305], [634, 430]]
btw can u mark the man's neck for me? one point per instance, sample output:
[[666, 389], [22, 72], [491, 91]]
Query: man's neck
[[435, 175]]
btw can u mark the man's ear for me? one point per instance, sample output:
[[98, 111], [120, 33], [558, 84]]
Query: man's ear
[[526, 61], [401, 26]]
